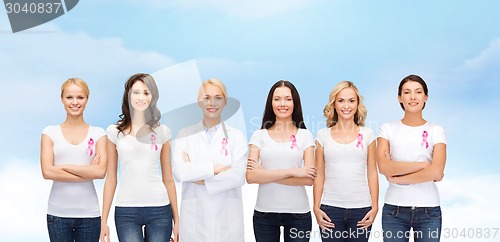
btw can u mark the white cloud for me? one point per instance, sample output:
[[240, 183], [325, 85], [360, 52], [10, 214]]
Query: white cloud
[[241, 8], [24, 201], [487, 59]]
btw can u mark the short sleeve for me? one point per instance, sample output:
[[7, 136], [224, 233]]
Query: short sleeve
[[256, 138], [371, 136], [99, 132], [439, 135], [308, 139], [49, 131], [320, 137], [383, 131], [112, 133], [167, 134]]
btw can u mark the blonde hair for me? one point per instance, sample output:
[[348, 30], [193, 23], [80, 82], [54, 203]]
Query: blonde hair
[[332, 116], [214, 82], [78, 82]]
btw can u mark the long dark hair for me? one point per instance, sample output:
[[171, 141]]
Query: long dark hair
[[413, 78], [269, 117], [152, 114]]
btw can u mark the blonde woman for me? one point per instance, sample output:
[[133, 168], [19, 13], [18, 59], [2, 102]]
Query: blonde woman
[[73, 154], [210, 161], [346, 189]]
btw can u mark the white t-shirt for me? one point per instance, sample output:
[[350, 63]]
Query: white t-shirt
[[73, 199], [346, 183], [274, 155], [412, 144], [141, 182]]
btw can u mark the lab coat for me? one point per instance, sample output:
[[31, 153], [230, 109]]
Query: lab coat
[[212, 212]]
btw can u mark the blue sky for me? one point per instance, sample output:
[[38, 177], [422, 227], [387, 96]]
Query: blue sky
[[454, 46]]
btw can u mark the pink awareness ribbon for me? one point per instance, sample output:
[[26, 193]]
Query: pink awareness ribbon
[[90, 145], [294, 142], [360, 140], [223, 150], [424, 139], [154, 146]]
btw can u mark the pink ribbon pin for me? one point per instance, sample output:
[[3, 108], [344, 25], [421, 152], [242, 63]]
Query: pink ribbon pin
[[424, 139], [294, 142], [223, 150], [360, 140], [154, 146], [90, 145]]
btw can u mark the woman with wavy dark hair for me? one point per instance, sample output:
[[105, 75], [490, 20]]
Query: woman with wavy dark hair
[[146, 196], [281, 161]]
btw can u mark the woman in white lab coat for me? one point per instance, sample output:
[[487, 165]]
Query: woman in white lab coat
[[210, 160]]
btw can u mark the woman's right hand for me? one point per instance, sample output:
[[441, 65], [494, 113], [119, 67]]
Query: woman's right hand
[[104, 237], [324, 222], [306, 171]]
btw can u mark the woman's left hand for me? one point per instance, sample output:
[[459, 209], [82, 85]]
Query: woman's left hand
[[175, 231], [369, 218]]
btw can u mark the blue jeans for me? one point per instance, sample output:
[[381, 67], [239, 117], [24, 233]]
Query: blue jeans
[[346, 224], [397, 222], [157, 222], [296, 226], [73, 229]]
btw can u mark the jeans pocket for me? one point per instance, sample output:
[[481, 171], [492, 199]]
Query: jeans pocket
[[95, 220], [51, 219], [302, 215], [433, 212], [390, 210], [258, 214]]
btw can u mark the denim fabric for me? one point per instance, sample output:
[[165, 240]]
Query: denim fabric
[[397, 222], [73, 229], [157, 222], [296, 226], [345, 221]]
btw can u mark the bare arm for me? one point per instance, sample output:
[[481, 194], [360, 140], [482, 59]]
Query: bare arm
[[49, 170], [96, 170], [322, 218], [109, 189], [301, 181], [372, 175], [168, 180], [392, 168], [434, 172]]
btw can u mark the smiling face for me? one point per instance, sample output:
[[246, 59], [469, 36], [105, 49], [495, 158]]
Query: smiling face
[[74, 100], [412, 96], [140, 96], [283, 103], [212, 101], [346, 104]]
